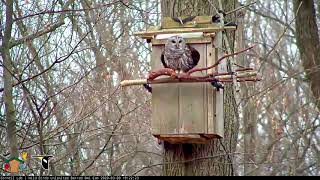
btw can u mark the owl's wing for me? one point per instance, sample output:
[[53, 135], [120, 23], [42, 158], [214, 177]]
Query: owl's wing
[[163, 61], [195, 55]]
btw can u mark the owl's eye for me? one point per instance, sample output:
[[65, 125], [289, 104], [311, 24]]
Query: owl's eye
[[173, 41], [180, 41]]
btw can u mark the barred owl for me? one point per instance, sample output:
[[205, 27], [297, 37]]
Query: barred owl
[[178, 55]]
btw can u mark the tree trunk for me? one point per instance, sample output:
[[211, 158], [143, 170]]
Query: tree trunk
[[8, 82], [318, 4], [216, 157], [249, 110], [250, 124], [308, 43]]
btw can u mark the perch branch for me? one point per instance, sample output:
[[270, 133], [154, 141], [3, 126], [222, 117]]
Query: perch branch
[[169, 72], [241, 74], [218, 62], [223, 77], [160, 72]]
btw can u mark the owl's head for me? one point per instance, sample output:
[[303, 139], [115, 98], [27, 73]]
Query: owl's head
[[176, 42]]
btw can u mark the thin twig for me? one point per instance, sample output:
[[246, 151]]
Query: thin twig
[[241, 7], [217, 63], [65, 11], [214, 7], [238, 65], [281, 36]]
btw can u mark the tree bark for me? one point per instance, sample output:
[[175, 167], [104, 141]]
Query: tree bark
[[214, 158], [308, 43], [250, 124], [318, 10], [8, 82], [249, 110]]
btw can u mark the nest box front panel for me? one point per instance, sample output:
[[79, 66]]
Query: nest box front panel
[[179, 108], [164, 100], [192, 100]]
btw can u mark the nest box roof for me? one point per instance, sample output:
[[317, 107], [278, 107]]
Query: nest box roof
[[200, 25]]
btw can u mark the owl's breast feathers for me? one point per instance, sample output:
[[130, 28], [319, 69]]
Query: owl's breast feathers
[[184, 59], [170, 58]]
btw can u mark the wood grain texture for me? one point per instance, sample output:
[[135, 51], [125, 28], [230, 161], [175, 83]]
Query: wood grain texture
[[211, 109], [198, 21], [184, 108], [165, 100], [188, 41], [219, 102], [191, 101], [148, 34]]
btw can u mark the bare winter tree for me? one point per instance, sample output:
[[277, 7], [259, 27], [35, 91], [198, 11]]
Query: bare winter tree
[[62, 62], [8, 80], [308, 43]]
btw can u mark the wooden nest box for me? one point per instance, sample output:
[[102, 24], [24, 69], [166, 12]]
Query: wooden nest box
[[187, 112]]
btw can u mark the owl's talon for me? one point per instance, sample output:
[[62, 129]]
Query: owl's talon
[[182, 75], [171, 72]]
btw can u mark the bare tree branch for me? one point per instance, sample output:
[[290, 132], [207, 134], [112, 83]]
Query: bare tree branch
[[66, 11]]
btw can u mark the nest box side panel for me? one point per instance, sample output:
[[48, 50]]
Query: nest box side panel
[[211, 92], [219, 124], [215, 98], [165, 100], [193, 102], [219, 128]]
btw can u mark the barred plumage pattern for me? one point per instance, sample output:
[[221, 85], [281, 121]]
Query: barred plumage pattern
[[178, 55]]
